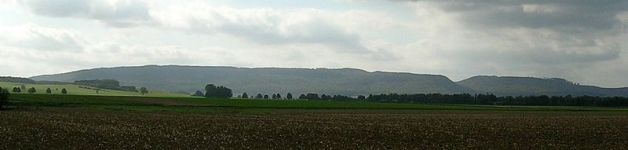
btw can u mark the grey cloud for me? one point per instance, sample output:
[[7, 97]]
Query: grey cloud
[[574, 39], [312, 32], [548, 57], [550, 32], [571, 15], [544, 57], [121, 13]]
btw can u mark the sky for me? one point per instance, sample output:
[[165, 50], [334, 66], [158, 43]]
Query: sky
[[580, 40]]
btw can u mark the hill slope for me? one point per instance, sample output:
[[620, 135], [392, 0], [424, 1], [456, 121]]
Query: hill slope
[[267, 80], [515, 86]]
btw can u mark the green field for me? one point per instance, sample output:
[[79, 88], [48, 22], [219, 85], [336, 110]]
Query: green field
[[86, 90], [203, 104], [49, 121]]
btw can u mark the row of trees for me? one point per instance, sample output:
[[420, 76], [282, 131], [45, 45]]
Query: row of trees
[[261, 96], [479, 99], [314, 96], [4, 97], [213, 91], [32, 90], [289, 96], [490, 99]]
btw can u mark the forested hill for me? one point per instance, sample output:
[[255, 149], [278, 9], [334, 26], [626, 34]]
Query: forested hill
[[267, 80], [16, 80], [326, 81], [523, 86]]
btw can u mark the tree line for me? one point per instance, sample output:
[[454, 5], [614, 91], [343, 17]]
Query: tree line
[[32, 90], [111, 84], [4, 97], [213, 91], [490, 99], [17, 80]]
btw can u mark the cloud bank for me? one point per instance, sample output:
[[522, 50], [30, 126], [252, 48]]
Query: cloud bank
[[580, 40]]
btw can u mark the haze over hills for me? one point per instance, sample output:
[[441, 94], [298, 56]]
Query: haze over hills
[[325, 81], [268, 80]]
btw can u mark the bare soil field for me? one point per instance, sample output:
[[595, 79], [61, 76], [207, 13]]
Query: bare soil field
[[76, 128]]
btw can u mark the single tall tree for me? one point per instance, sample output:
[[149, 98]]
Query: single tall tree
[[64, 91], [143, 90], [49, 91], [289, 96], [259, 96], [245, 96]]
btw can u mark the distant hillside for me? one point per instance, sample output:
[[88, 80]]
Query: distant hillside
[[267, 80], [325, 81], [515, 86], [16, 80]]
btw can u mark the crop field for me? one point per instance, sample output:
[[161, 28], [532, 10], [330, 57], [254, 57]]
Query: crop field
[[86, 90], [107, 122]]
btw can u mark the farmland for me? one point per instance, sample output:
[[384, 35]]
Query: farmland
[[86, 90], [115, 122]]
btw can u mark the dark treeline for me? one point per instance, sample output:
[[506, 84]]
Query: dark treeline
[[314, 96], [477, 99], [111, 84], [490, 99], [105, 84], [480, 99], [4, 97]]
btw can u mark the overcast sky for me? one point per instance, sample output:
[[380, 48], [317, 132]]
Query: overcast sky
[[580, 40]]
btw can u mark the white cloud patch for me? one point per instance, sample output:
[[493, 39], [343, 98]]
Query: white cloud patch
[[41, 38], [260, 25], [266, 26], [540, 9], [119, 13]]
